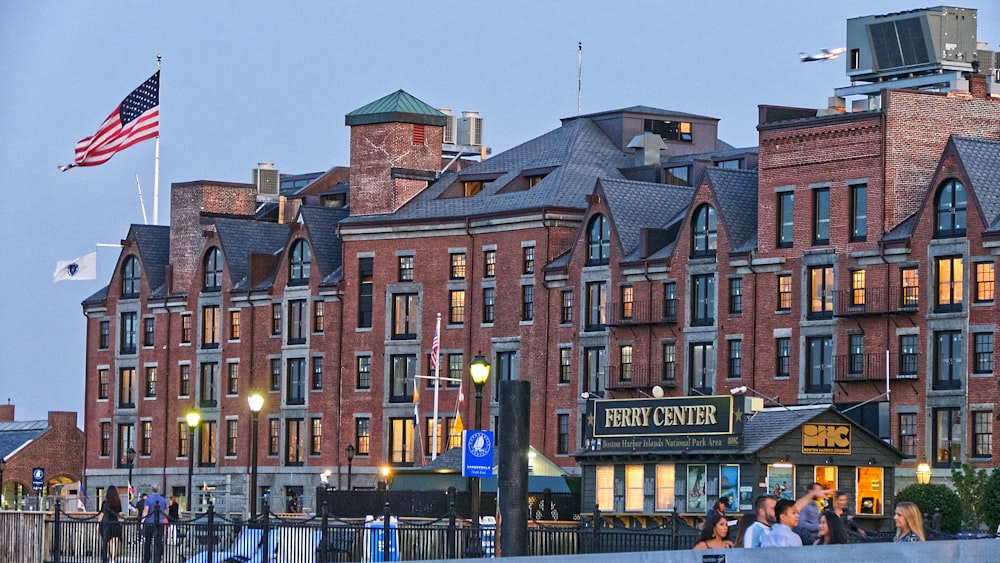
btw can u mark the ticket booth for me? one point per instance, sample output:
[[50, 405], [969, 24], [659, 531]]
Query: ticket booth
[[649, 459]]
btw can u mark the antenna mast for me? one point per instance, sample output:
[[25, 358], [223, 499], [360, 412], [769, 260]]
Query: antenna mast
[[579, 74]]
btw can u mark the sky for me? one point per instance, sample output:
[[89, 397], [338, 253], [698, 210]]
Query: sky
[[255, 81]]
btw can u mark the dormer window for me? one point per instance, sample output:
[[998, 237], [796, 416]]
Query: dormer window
[[300, 263], [669, 130], [704, 232], [473, 188], [534, 180], [732, 164], [131, 277], [598, 241], [212, 270], [949, 207], [677, 176]]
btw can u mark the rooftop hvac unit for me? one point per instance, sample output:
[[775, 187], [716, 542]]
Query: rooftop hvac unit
[[909, 43], [470, 129], [266, 178], [449, 126]]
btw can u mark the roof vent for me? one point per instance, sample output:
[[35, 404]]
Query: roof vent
[[449, 126], [266, 179], [470, 129], [649, 145]]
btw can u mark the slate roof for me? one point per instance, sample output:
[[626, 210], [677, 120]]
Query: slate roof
[[98, 297], [14, 435], [638, 205], [736, 194], [327, 248], [981, 159], [398, 106], [903, 230], [578, 152], [241, 237], [645, 109], [154, 252], [772, 423]]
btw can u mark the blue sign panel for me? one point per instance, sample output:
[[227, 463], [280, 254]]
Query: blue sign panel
[[37, 478], [477, 453]]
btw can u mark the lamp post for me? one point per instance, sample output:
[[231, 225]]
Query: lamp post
[[479, 370], [923, 474], [130, 458], [256, 402], [350, 450], [193, 418]]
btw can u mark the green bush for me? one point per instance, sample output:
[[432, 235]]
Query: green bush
[[935, 497], [989, 507]]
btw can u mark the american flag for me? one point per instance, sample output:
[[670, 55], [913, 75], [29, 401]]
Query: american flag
[[136, 119], [436, 347]]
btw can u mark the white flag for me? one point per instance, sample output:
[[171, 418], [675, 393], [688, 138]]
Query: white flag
[[82, 268]]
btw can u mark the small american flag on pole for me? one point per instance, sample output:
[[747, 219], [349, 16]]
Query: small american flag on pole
[[136, 119], [436, 348]]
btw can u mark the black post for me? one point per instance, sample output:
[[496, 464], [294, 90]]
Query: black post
[[211, 530], [57, 534], [476, 549], [512, 479], [192, 434], [266, 526], [326, 551], [675, 528], [254, 426], [350, 451], [451, 522], [386, 538], [547, 506], [596, 545]]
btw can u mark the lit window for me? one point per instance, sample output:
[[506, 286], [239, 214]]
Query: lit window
[[625, 370], [528, 261], [628, 302], [871, 489], [234, 325], [489, 263], [404, 316], [405, 268], [982, 434], [456, 307], [472, 188], [821, 292], [605, 496], [857, 288], [458, 266], [984, 282], [210, 327], [362, 435], [633, 488], [566, 312], [910, 285], [947, 437], [784, 292], [318, 320], [665, 486], [950, 283]]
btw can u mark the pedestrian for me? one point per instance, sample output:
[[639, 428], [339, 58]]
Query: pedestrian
[[715, 534], [173, 515], [840, 509], [808, 527], [154, 516], [746, 521], [756, 532], [786, 514], [909, 523], [292, 505], [111, 526], [718, 507], [831, 529]]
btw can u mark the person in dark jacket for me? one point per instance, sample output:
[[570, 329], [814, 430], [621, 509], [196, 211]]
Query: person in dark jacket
[[111, 526]]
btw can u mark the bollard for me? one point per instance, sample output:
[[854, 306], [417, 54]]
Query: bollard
[[386, 516], [57, 535], [211, 530], [451, 523], [597, 530], [266, 526], [326, 554], [674, 529]]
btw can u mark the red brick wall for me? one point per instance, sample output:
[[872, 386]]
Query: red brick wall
[[375, 150]]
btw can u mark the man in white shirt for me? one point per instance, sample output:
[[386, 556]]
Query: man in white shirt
[[756, 532]]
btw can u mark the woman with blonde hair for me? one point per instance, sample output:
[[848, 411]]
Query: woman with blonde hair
[[909, 523]]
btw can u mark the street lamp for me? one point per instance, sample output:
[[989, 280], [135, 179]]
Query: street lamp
[[193, 418], [130, 457], [350, 450], [923, 474], [256, 402], [479, 370]]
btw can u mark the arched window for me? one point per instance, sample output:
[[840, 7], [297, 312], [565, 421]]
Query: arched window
[[949, 208], [704, 231], [212, 275], [598, 240], [131, 277], [298, 266]]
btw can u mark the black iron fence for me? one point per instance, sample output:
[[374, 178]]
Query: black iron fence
[[214, 537]]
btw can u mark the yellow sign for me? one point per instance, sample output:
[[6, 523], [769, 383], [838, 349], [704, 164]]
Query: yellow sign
[[826, 439]]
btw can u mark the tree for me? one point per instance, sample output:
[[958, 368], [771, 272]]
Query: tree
[[970, 485], [989, 507], [931, 498]]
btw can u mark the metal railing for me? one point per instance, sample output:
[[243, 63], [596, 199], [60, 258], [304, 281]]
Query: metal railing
[[640, 376], [876, 301], [871, 366]]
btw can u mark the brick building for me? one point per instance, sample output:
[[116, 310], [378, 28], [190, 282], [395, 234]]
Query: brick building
[[55, 445], [624, 253]]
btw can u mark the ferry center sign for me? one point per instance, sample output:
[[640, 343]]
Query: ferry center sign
[[684, 423]]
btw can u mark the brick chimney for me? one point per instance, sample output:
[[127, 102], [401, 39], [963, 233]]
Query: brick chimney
[[395, 151], [62, 419], [7, 413], [190, 202]]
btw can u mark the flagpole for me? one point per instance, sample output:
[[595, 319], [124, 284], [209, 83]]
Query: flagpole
[[437, 385], [156, 170]]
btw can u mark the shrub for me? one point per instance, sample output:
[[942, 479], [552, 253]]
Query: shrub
[[970, 483], [935, 497], [989, 507]]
